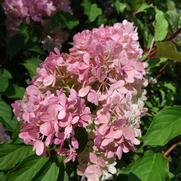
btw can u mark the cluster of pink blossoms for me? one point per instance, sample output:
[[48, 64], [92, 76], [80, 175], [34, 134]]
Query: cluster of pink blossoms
[[99, 88], [34, 10]]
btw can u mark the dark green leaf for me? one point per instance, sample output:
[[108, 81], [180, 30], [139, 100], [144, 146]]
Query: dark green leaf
[[5, 111], [5, 75], [2, 176], [174, 20], [65, 19], [11, 126], [14, 45], [143, 7], [28, 169], [4, 83], [52, 173], [14, 157], [15, 91]]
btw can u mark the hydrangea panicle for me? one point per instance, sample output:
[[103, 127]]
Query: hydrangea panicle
[[98, 87]]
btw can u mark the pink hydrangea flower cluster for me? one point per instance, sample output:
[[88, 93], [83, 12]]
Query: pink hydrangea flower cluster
[[99, 88], [34, 10]]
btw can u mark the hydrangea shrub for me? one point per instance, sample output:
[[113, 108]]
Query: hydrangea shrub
[[34, 10]]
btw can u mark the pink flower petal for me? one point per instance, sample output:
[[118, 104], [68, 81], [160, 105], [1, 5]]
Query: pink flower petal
[[84, 91], [119, 152], [75, 119], [39, 147], [62, 114], [105, 142], [49, 80], [93, 97], [74, 143], [46, 129]]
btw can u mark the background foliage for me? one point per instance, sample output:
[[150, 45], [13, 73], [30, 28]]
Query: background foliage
[[158, 158]]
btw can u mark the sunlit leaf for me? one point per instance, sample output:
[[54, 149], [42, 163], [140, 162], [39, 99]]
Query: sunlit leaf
[[151, 167], [165, 126], [161, 26]]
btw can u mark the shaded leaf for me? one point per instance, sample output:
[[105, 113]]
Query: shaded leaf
[[5, 75], [12, 126], [168, 50], [143, 7], [15, 91], [2, 176], [14, 45], [4, 83], [5, 111], [64, 19], [174, 20]]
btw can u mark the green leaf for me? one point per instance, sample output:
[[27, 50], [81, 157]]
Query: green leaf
[[86, 4], [7, 148], [31, 65], [14, 157], [120, 7], [174, 20], [161, 26], [151, 167], [69, 20], [5, 111], [165, 126], [167, 49], [171, 5], [2, 176], [143, 7], [28, 169], [15, 91], [12, 125], [52, 173], [5, 75], [64, 19], [4, 83], [36, 49], [91, 10], [94, 12]]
